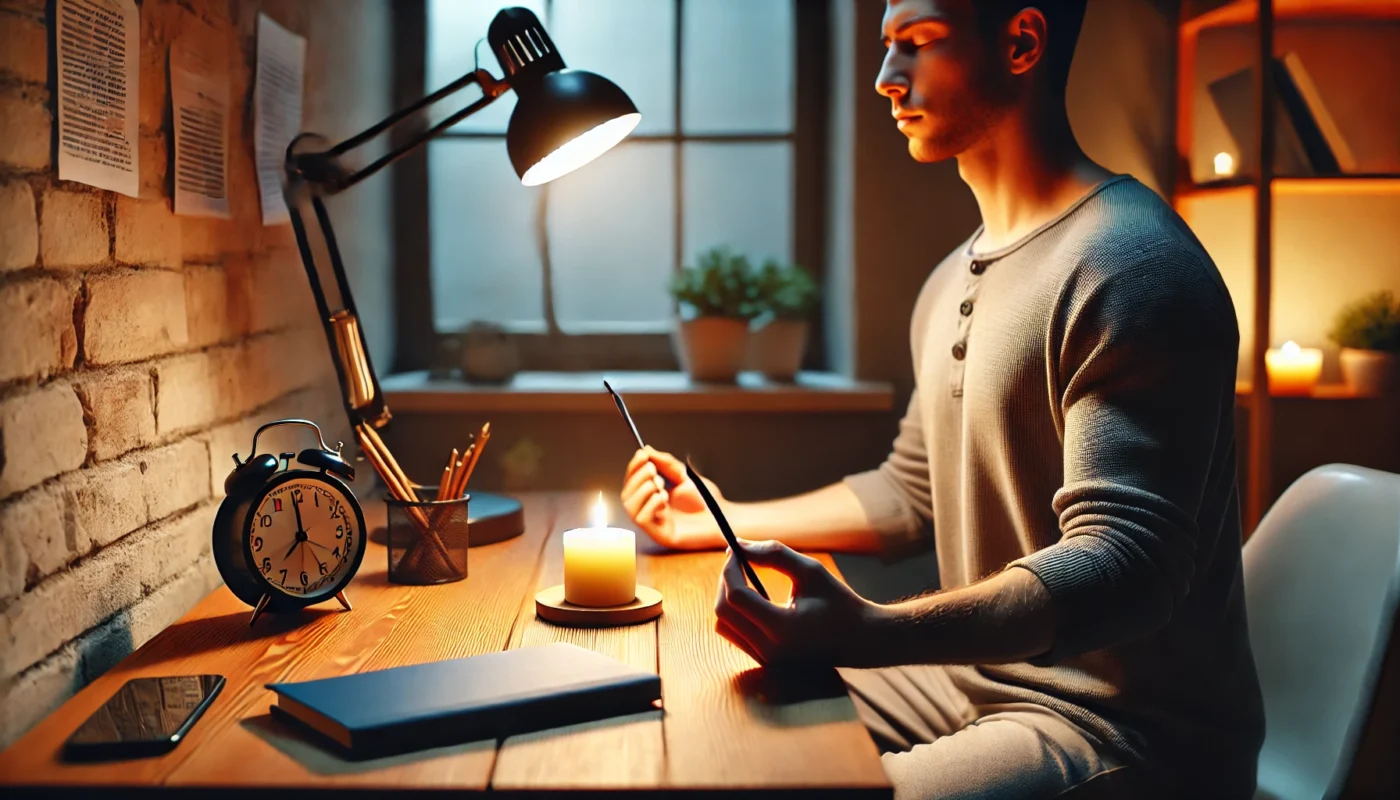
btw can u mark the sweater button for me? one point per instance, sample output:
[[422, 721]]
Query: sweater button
[[966, 308], [959, 351], [978, 268]]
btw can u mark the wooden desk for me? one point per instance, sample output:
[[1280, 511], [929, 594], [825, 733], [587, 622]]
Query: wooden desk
[[723, 726]]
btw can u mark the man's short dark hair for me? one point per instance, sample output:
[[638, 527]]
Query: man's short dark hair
[[1063, 18]]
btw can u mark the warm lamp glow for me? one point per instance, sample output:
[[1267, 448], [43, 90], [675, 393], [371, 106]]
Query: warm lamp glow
[[580, 150], [1224, 164]]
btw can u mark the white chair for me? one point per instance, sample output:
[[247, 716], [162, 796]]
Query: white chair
[[1321, 579]]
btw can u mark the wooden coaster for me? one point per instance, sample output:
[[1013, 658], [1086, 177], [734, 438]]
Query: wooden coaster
[[550, 605]]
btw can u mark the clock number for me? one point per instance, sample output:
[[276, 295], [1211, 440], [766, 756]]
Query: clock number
[[266, 565], [284, 577], [317, 497], [303, 579], [322, 566], [296, 495], [337, 511], [257, 543], [340, 531], [336, 552], [265, 521]]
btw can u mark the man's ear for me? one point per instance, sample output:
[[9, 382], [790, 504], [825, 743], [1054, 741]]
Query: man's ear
[[1027, 34]]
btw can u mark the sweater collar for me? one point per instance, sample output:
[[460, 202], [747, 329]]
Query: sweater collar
[[1006, 250]]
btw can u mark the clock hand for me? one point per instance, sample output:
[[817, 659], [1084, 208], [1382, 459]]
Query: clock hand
[[297, 508], [318, 559], [315, 543], [291, 550]]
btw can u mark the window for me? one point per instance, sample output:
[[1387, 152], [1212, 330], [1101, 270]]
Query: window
[[587, 258]]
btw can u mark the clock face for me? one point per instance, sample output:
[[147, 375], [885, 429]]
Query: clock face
[[303, 538]]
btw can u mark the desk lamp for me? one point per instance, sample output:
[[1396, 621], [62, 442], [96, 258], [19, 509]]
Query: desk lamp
[[563, 119]]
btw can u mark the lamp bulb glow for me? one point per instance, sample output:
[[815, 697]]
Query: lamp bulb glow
[[599, 517], [1224, 164], [580, 150]]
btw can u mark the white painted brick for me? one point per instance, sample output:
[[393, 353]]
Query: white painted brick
[[134, 314], [73, 229], [37, 516], [14, 563], [37, 337], [70, 602], [28, 129], [24, 47], [147, 233], [30, 697], [43, 435], [19, 226], [174, 477], [104, 503], [121, 411]]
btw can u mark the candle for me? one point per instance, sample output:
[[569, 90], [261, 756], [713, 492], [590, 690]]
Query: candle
[[1293, 370], [600, 563]]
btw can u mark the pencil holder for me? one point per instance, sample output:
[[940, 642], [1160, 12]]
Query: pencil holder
[[427, 541]]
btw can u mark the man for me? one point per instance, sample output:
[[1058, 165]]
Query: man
[[1069, 449]]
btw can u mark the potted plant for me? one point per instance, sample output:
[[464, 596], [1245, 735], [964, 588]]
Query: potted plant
[[716, 302], [787, 296], [1369, 334]]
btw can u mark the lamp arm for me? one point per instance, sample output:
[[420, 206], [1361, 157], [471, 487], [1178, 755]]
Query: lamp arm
[[322, 168]]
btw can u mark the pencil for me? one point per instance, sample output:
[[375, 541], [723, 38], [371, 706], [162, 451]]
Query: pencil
[[725, 530], [477, 448], [447, 474], [661, 482]]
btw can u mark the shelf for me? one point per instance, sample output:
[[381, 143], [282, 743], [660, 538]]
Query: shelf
[[1298, 185], [646, 392], [1325, 391], [1244, 13]]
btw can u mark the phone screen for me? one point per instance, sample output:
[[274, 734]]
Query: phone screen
[[146, 716]]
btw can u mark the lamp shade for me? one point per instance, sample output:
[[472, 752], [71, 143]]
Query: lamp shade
[[564, 118]]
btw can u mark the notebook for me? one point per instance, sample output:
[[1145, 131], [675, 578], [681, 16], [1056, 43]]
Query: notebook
[[397, 710]]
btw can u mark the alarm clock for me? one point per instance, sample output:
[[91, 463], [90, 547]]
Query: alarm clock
[[288, 538]]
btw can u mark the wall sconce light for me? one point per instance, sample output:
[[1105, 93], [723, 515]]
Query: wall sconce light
[[1224, 165]]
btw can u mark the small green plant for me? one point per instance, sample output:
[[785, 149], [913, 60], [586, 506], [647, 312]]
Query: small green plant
[[1371, 323], [787, 291], [720, 284]]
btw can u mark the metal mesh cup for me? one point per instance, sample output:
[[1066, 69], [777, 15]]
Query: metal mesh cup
[[435, 553]]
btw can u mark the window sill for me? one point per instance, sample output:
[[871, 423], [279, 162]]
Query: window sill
[[645, 392]]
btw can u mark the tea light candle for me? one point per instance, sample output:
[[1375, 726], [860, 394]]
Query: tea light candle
[[600, 563], [1293, 370]]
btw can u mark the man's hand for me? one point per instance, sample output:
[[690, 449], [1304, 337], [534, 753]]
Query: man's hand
[[823, 624], [677, 519]]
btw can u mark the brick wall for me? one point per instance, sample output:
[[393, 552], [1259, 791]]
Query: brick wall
[[138, 350]]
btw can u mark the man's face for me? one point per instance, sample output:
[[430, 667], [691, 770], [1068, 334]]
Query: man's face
[[943, 79]]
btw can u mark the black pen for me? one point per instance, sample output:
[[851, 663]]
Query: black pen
[[724, 529], [662, 484]]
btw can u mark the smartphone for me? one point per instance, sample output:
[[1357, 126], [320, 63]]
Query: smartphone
[[146, 717]]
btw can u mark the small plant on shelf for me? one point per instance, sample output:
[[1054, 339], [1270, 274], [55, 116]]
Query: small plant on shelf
[[1368, 332], [788, 296], [716, 297]]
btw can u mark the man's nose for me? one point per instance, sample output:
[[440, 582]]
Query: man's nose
[[891, 82]]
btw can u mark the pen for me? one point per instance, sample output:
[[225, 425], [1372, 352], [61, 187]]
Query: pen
[[661, 482], [726, 530]]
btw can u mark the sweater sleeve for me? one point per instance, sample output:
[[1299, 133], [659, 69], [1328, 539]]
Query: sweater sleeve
[[897, 497], [1146, 369]]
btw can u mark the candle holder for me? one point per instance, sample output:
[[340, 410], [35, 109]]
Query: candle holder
[[551, 606]]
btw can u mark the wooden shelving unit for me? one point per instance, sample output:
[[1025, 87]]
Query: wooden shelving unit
[[1261, 18]]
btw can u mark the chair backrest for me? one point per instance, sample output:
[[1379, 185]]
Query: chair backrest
[[1321, 578]]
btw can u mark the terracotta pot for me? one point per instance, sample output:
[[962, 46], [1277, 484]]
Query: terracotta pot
[[712, 349], [776, 348], [1370, 372]]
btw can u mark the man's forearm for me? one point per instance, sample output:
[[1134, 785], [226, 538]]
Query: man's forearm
[[1007, 617], [830, 519]]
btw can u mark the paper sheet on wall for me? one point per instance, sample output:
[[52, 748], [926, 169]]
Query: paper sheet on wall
[[199, 105], [97, 52], [276, 110]]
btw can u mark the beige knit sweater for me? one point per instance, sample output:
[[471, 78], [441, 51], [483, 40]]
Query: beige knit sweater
[[1074, 415]]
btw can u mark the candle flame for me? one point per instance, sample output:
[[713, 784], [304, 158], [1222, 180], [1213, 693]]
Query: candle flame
[[1290, 349], [1224, 164], [599, 518]]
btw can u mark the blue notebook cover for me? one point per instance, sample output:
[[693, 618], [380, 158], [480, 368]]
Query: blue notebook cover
[[467, 699]]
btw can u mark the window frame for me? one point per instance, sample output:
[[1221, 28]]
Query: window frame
[[418, 343]]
